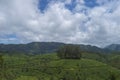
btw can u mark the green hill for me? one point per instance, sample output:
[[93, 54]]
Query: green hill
[[45, 47], [50, 67], [114, 60]]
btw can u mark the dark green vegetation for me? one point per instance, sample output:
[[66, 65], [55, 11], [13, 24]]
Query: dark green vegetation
[[50, 47], [30, 48], [69, 52], [1, 61], [50, 67], [72, 62]]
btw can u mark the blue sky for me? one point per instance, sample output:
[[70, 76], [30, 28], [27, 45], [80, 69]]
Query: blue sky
[[91, 3], [43, 4], [95, 22]]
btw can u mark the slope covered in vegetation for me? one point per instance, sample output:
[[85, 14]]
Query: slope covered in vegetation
[[50, 67]]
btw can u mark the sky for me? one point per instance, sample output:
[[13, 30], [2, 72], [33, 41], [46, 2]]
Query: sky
[[94, 22]]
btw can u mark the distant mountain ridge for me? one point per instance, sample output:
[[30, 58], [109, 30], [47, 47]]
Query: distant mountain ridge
[[51, 47], [31, 48], [113, 47]]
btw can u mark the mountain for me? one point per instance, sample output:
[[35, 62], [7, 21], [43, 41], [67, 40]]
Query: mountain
[[113, 47], [51, 47], [31, 48], [93, 49]]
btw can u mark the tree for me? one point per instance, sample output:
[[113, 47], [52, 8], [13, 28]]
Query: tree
[[69, 52], [1, 66], [1, 61]]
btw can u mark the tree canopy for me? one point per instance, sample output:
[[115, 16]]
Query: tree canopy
[[69, 52], [1, 60]]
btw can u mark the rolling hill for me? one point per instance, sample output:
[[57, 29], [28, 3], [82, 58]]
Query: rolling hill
[[50, 67], [47, 47], [31, 48]]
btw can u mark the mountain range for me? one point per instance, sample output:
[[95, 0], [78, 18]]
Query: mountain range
[[51, 47]]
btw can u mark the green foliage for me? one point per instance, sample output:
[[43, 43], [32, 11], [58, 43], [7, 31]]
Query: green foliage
[[1, 66], [1, 61], [30, 48], [69, 52], [114, 60], [112, 77], [50, 67], [26, 78]]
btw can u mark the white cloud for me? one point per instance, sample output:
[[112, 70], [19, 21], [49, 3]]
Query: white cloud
[[100, 26]]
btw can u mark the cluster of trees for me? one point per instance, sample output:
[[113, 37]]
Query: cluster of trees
[[69, 52], [1, 65], [1, 61]]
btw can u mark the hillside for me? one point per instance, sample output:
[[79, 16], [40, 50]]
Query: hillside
[[114, 60], [45, 47], [31, 48], [50, 67], [113, 47]]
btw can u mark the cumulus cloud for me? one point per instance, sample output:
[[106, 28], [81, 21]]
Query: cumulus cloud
[[22, 21]]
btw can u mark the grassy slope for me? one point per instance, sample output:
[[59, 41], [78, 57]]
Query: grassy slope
[[50, 67], [114, 60]]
